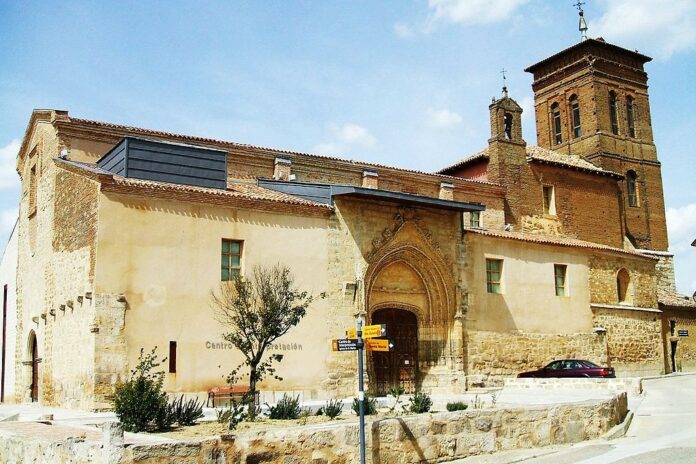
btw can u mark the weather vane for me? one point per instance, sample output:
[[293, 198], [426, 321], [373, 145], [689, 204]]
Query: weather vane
[[505, 92], [582, 24]]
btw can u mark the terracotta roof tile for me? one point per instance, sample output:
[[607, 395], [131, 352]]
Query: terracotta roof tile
[[675, 300], [242, 190], [542, 155], [205, 140], [555, 240]]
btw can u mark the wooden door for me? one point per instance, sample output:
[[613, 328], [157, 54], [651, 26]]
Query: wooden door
[[399, 367]]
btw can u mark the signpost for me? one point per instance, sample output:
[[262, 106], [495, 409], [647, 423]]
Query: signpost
[[358, 339]]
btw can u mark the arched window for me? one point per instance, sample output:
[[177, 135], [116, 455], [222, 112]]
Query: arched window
[[623, 280], [575, 111], [630, 116], [631, 190], [556, 118], [613, 114]]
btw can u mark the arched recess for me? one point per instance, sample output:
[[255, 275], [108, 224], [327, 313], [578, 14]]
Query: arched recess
[[409, 273], [33, 365]]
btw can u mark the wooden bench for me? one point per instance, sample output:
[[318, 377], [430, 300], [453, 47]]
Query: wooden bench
[[229, 392]]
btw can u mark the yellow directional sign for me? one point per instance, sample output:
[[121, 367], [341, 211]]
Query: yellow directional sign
[[379, 344], [369, 331]]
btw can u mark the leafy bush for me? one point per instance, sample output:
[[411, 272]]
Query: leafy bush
[[287, 408], [370, 406], [420, 402], [139, 402], [396, 392], [223, 415], [333, 408], [186, 413], [457, 406]]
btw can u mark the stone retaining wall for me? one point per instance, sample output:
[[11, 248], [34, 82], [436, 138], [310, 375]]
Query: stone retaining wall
[[425, 438], [631, 385]]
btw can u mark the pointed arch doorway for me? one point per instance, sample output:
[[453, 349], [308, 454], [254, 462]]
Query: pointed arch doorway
[[399, 367], [34, 353]]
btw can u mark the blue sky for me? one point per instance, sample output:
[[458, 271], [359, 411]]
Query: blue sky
[[404, 83]]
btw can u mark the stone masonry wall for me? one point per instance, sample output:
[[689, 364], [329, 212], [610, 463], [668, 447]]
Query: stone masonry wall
[[634, 341], [424, 438], [685, 354], [642, 288], [493, 356]]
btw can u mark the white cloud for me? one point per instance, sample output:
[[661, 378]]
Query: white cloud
[[442, 118], [346, 137], [681, 228], [8, 217], [472, 11], [8, 171], [404, 31], [657, 27]]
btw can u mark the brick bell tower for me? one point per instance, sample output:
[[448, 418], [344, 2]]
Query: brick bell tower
[[591, 100]]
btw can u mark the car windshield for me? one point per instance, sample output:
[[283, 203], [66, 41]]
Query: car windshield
[[590, 364]]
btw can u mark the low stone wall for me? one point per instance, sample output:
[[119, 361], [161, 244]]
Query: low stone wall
[[427, 438], [632, 386]]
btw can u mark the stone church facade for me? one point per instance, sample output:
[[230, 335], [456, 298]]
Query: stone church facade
[[509, 259]]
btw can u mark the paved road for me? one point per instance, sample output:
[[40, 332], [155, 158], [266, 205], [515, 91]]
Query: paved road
[[663, 431]]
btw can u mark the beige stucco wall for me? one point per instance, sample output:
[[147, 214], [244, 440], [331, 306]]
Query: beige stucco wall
[[528, 302], [8, 277], [164, 256]]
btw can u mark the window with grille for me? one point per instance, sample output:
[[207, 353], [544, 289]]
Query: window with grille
[[613, 114], [475, 219], [559, 272], [575, 110], [231, 259], [556, 116], [494, 273]]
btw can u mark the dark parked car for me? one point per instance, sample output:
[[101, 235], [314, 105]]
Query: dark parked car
[[571, 368]]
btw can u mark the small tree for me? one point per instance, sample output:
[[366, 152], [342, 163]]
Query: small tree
[[258, 310]]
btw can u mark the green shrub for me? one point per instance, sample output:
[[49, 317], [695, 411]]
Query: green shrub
[[370, 406], [457, 406], [223, 415], [139, 402], [333, 408], [186, 413], [420, 402], [287, 408]]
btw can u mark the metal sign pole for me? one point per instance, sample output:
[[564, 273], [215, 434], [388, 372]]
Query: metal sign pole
[[361, 392]]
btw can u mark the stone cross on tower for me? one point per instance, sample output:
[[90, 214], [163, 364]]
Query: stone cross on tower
[[505, 90]]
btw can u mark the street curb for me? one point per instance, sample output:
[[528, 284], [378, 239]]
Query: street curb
[[620, 430], [667, 376]]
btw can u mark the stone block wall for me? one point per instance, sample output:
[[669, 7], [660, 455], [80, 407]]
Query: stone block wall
[[634, 342], [642, 290], [685, 354], [631, 385], [493, 356], [424, 438]]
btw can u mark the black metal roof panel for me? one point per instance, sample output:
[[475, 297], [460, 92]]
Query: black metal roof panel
[[175, 163], [325, 193]]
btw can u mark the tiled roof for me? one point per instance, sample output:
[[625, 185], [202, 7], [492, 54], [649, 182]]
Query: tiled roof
[[555, 240], [205, 140], [545, 156], [675, 300], [241, 191]]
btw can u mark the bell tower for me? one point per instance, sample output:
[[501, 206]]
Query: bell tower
[[591, 100]]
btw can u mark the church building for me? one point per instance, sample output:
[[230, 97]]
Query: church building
[[500, 263]]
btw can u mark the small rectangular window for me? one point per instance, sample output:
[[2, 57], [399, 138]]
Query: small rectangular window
[[613, 114], [231, 259], [557, 127], [559, 272], [475, 219], [494, 273], [172, 357], [549, 200], [630, 117], [32, 190]]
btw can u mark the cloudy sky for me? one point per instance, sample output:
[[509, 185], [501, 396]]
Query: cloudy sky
[[401, 82]]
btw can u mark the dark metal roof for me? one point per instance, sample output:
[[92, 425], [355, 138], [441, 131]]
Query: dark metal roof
[[325, 193], [588, 44]]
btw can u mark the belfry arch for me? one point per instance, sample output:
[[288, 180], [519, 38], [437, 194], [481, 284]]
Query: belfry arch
[[408, 281]]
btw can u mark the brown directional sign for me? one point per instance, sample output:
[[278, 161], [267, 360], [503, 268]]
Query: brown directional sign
[[379, 344], [369, 331], [344, 344]]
